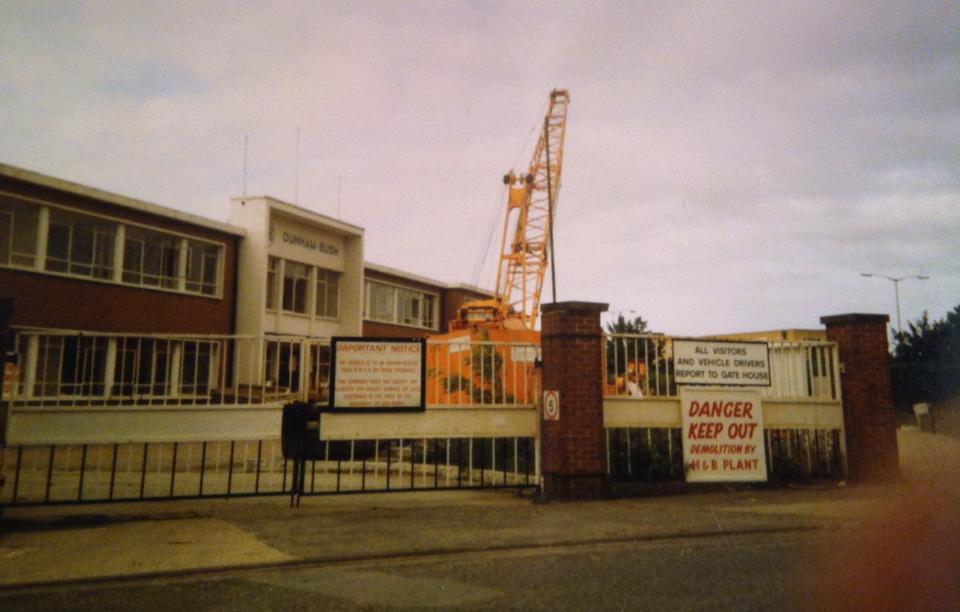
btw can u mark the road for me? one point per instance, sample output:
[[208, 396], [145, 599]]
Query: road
[[770, 570], [892, 546]]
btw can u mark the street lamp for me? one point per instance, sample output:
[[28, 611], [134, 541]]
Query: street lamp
[[896, 290]]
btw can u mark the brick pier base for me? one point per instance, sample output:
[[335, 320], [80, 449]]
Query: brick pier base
[[868, 412], [573, 457]]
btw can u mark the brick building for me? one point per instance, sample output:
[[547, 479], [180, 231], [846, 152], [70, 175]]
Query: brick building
[[400, 304]]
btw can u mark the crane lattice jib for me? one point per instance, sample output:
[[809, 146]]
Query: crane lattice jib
[[523, 256]]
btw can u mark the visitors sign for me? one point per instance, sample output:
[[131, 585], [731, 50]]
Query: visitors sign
[[722, 435], [378, 374], [710, 362]]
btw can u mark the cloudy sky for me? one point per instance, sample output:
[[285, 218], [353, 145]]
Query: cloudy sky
[[729, 166]]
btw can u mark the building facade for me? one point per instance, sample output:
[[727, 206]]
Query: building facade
[[135, 320], [398, 304], [114, 301]]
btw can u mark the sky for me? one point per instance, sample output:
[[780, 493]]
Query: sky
[[728, 166]]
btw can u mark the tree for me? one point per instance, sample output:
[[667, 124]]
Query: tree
[[926, 361], [636, 325]]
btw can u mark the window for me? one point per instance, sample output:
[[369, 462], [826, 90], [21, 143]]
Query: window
[[81, 245], [282, 366], [327, 293], [404, 306], [381, 302], [143, 367], [203, 262], [150, 258], [272, 264], [70, 366], [18, 233], [196, 359], [296, 280]]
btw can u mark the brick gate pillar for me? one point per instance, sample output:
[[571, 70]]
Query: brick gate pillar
[[868, 413], [572, 447]]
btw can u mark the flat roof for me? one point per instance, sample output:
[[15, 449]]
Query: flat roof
[[42, 180], [294, 210], [423, 279]]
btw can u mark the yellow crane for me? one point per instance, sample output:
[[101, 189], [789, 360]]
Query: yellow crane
[[531, 202]]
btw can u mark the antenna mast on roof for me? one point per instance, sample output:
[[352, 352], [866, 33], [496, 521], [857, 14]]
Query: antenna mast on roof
[[296, 171], [245, 138]]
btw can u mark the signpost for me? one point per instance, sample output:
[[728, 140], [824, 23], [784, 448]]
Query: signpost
[[383, 374]]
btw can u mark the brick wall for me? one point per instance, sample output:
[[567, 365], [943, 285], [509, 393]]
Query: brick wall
[[573, 458], [868, 411]]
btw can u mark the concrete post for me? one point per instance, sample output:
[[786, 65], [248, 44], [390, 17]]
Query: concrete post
[[572, 447], [868, 412]]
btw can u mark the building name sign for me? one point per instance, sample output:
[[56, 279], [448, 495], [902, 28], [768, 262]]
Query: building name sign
[[377, 374], [735, 364], [309, 243]]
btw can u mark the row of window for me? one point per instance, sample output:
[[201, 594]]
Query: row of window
[[305, 289], [399, 305], [145, 368], [92, 366], [65, 242]]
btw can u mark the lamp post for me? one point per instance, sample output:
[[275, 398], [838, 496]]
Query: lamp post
[[896, 291]]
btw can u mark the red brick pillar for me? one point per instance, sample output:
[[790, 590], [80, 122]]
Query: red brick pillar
[[573, 456], [868, 413]]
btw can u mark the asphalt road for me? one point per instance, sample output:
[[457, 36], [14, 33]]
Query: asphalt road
[[767, 571]]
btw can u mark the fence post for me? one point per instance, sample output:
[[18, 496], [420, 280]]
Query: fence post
[[573, 446], [6, 312], [868, 414]]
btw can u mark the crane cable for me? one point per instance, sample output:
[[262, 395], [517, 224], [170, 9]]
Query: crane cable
[[481, 259]]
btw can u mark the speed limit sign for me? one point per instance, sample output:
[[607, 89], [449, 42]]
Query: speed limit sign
[[551, 405]]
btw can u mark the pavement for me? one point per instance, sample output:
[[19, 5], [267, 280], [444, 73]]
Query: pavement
[[63, 545]]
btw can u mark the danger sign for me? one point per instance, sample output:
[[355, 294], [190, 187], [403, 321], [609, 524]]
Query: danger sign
[[551, 405], [722, 435]]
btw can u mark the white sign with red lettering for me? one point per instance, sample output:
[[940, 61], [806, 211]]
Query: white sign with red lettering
[[722, 435]]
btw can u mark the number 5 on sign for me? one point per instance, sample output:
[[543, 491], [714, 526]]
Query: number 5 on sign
[[551, 405]]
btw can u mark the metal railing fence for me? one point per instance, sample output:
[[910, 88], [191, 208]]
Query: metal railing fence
[[641, 365], [655, 454], [70, 368], [96, 473]]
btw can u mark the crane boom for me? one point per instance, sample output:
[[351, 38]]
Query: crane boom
[[531, 202]]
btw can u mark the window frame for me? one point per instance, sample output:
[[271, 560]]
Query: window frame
[[120, 227], [428, 303]]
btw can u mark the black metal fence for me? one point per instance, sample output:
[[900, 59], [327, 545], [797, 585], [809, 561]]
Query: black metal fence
[[656, 454], [90, 473]]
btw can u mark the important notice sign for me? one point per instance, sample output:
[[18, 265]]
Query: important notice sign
[[722, 435], [706, 362], [378, 374]]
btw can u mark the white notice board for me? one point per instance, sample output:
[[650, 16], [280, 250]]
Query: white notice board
[[721, 363], [722, 435], [378, 374]]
